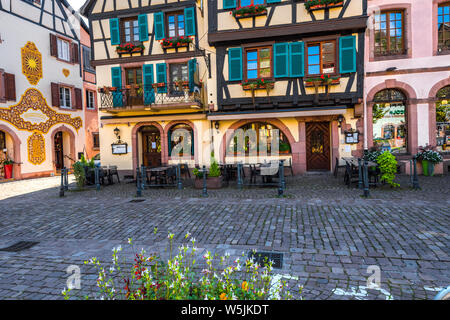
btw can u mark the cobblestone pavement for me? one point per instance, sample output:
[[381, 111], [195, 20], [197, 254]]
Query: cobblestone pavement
[[329, 235]]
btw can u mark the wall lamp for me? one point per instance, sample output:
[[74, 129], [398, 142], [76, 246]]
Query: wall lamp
[[216, 125], [340, 120]]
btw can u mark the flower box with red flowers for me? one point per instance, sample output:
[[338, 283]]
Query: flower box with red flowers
[[257, 84], [323, 80], [249, 11], [176, 42], [130, 48], [322, 4]]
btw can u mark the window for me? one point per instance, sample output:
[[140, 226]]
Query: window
[[87, 59], [133, 76], [245, 3], [63, 49], [175, 25], [389, 33], [130, 30], [389, 121], [65, 97], [261, 130], [444, 27], [322, 57], [95, 140], [443, 119], [176, 137], [258, 63], [90, 99], [178, 72]]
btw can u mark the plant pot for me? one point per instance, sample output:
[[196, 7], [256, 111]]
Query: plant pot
[[428, 168], [211, 183], [186, 44], [8, 171]]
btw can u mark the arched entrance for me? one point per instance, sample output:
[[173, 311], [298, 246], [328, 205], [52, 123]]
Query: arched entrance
[[151, 146], [10, 149], [63, 147]]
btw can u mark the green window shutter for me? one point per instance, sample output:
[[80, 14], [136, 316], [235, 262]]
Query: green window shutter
[[235, 64], [281, 53], [192, 142], [347, 54], [116, 75], [149, 93], [273, 1], [189, 16], [159, 25], [161, 76], [192, 66], [229, 4], [296, 59], [143, 27], [114, 30]]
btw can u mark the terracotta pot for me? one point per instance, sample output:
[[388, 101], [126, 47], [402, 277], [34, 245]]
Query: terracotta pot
[[8, 171], [211, 183]]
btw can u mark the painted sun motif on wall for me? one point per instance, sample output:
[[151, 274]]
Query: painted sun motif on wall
[[36, 148], [32, 63]]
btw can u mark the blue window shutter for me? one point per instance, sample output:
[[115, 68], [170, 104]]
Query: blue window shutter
[[192, 142], [273, 1], [149, 92], [229, 4], [143, 27], [235, 64], [192, 68], [281, 63], [161, 76], [347, 54], [159, 25], [116, 75], [296, 59], [189, 16], [114, 30]]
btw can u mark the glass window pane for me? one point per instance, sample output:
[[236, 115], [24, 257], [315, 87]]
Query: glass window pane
[[252, 55], [314, 69], [313, 59], [313, 50], [245, 3], [252, 74]]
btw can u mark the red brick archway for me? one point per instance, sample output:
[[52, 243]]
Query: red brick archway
[[173, 123], [16, 146], [67, 130], [411, 107], [134, 141], [432, 109], [275, 122]]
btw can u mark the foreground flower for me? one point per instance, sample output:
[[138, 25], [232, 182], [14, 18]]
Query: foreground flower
[[244, 286], [223, 296]]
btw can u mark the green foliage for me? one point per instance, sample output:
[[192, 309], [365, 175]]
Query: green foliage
[[378, 111], [442, 112], [284, 146], [388, 167], [179, 277], [197, 173], [78, 171], [312, 3], [249, 10], [214, 171], [6, 162], [373, 155], [429, 155]]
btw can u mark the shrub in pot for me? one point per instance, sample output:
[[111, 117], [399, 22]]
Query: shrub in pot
[[429, 159], [8, 167], [213, 179]]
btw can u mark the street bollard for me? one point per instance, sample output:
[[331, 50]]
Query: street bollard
[[143, 177], [62, 188], [179, 183], [239, 175], [97, 178], [416, 178], [280, 179], [66, 179], [138, 183], [283, 180], [205, 189], [360, 175], [366, 178]]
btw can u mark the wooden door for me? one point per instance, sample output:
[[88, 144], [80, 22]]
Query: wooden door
[[59, 151], [318, 146], [151, 146]]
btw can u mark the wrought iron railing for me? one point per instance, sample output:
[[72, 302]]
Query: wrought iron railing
[[156, 94]]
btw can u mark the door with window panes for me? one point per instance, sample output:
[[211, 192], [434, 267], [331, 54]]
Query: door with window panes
[[134, 86]]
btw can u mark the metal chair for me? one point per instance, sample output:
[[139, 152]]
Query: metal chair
[[114, 172]]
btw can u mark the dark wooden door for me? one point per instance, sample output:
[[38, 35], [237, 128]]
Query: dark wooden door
[[318, 146], [59, 151], [151, 146]]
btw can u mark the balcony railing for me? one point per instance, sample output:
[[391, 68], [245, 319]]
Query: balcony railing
[[157, 96]]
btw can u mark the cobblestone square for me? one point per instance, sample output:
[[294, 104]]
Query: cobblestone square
[[329, 235]]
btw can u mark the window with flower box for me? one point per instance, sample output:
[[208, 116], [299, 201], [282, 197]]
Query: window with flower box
[[321, 58], [258, 63], [175, 24]]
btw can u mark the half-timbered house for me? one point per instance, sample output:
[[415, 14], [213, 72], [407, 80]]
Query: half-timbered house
[[41, 117], [296, 66], [150, 65]]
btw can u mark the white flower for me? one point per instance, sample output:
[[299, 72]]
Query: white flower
[[129, 241]]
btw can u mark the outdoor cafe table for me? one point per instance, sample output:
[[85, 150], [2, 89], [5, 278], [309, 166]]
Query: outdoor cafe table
[[158, 172], [354, 161]]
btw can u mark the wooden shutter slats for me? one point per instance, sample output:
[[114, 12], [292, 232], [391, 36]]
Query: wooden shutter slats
[[75, 53], [55, 94], [158, 18], [143, 27], [78, 99], [189, 27], [10, 86], [53, 46]]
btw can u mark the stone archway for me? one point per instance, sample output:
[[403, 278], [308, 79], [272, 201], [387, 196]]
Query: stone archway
[[135, 142], [432, 109], [411, 107], [16, 146], [71, 155], [196, 142]]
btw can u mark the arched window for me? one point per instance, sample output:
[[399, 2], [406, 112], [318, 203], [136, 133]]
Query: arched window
[[262, 131], [443, 119], [389, 120], [181, 137]]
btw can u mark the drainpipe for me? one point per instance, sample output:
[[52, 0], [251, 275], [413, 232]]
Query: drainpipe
[[365, 114]]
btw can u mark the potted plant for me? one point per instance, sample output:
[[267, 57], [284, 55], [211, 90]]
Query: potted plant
[[129, 48], [249, 11], [213, 180], [176, 42], [8, 167], [321, 4], [284, 147], [429, 159]]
